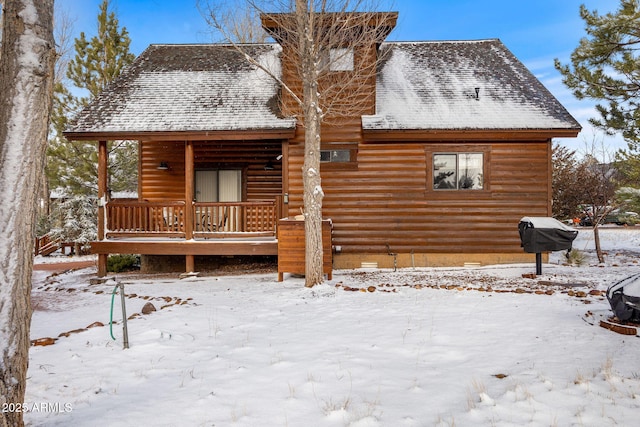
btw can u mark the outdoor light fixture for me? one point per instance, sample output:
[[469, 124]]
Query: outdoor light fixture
[[163, 166], [269, 166]]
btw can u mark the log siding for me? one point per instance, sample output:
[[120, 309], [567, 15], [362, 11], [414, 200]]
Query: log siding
[[249, 156], [389, 200]]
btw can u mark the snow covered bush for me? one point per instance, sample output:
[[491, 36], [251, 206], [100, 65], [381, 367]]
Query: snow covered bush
[[75, 220]]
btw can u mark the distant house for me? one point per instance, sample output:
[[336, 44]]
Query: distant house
[[454, 149]]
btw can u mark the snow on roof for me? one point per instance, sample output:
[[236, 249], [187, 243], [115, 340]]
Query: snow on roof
[[458, 85], [451, 85], [189, 88]]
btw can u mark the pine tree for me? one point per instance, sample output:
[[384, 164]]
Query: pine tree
[[72, 166], [606, 67], [77, 220]]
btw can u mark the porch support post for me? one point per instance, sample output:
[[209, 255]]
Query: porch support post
[[188, 201], [190, 263], [102, 199]]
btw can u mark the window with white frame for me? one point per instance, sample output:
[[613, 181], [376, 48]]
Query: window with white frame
[[340, 59], [458, 171]]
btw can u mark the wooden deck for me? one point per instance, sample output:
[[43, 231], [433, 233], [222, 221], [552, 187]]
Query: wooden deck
[[169, 246], [178, 228]]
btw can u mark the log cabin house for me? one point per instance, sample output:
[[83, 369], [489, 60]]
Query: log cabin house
[[452, 150]]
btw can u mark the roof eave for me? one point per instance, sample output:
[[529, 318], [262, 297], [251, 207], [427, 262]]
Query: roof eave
[[227, 135], [467, 134]]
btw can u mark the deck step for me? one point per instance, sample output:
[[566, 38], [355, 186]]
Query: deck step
[[49, 248]]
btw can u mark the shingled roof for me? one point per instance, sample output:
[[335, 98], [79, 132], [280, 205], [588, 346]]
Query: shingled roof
[[442, 85], [460, 85], [189, 88]]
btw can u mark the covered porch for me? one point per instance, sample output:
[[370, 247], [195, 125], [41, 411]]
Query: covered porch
[[212, 143], [170, 216]]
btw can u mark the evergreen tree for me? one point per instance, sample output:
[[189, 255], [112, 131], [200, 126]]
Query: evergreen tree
[[76, 220], [72, 166], [628, 163], [606, 67], [629, 198]]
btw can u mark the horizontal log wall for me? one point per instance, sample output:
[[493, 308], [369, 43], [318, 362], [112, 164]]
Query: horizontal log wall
[[161, 185], [388, 199], [250, 156]]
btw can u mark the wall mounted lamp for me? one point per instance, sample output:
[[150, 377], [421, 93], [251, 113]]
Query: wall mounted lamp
[[269, 166], [163, 166]]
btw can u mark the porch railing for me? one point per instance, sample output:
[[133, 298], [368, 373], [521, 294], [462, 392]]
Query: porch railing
[[144, 218], [221, 219], [45, 245], [234, 217]]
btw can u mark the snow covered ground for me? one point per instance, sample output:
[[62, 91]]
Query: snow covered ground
[[417, 347]]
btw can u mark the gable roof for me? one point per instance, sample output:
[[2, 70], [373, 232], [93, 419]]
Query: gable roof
[[422, 86], [189, 88], [461, 85]]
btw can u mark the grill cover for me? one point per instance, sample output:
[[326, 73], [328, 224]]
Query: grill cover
[[624, 298], [544, 234]]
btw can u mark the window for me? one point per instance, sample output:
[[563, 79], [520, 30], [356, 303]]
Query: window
[[335, 156], [338, 59], [458, 171], [339, 156], [341, 59]]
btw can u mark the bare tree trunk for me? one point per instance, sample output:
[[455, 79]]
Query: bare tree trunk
[[596, 240], [312, 197], [308, 31], [311, 168], [26, 67]]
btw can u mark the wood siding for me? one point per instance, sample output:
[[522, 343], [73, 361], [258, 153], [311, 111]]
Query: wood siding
[[388, 198], [291, 248], [249, 156], [347, 94]]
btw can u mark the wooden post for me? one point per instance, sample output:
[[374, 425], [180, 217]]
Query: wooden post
[[188, 190], [549, 177], [278, 209], [188, 201], [102, 200], [190, 264], [285, 181], [102, 187]]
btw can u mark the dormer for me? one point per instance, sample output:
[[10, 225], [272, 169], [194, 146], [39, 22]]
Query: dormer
[[347, 53]]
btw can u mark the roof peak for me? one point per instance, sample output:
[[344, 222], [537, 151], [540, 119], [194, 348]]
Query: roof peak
[[444, 41]]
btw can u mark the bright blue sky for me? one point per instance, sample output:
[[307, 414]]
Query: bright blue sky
[[536, 31]]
